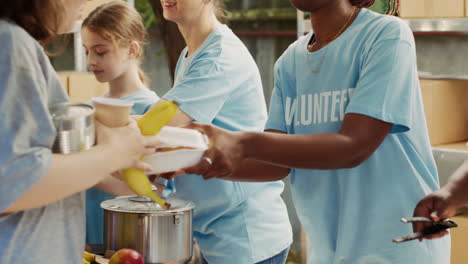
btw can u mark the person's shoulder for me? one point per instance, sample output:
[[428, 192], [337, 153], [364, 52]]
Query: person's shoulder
[[298, 45], [224, 49], [385, 27], [150, 95], [16, 36], [223, 35], [18, 47], [224, 42], [142, 95], [288, 58], [142, 100], [9, 31], [216, 42]]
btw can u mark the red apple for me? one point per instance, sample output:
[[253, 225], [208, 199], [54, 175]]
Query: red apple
[[126, 256]]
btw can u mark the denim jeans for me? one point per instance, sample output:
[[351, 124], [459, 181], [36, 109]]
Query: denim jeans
[[277, 259]]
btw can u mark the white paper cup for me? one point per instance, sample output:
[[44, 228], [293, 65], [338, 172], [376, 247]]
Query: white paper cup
[[112, 112]]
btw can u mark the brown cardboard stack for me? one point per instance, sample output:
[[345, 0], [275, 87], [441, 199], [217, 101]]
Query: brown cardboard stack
[[466, 8], [64, 80], [63, 76], [432, 8], [459, 239], [81, 86], [446, 109]]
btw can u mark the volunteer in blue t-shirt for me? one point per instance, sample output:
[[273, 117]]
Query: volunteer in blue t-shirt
[[217, 82], [347, 123]]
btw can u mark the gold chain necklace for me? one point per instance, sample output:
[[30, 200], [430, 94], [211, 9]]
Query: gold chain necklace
[[310, 46]]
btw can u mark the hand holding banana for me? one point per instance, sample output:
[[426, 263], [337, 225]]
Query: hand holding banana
[[150, 124]]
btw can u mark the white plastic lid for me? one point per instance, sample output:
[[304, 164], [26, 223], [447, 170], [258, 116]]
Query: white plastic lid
[[112, 101], [182, 137]]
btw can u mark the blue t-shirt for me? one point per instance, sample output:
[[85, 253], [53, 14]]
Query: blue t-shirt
[[233, 222], [142, 100], [28, 85], [352, 215]]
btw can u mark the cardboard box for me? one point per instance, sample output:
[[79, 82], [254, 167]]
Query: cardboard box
[[82, 86], [432, 8], [446, 109], [63, 76], [459, 240]]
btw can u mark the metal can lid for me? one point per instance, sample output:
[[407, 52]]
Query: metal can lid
[[66, 115], [143, 204]]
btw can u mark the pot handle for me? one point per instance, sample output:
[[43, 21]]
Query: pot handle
[[177, 218]]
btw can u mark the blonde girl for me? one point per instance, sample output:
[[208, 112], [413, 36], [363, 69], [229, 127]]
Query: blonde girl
[[113, 38]]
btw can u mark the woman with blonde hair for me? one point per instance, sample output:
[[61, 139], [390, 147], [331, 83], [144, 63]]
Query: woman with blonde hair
[[217, 82]]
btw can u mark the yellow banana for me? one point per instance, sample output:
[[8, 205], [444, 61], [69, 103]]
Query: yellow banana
[[86, 262], [140, 184], [150, 124], [157, 117], [88, 257]]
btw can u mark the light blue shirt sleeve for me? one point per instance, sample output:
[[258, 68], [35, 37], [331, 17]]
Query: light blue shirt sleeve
[[387, 87], [26, 129], [142, 100], [203, 90], [276, 112]]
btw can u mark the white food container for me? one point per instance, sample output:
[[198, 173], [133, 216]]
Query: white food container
[[172, 137]]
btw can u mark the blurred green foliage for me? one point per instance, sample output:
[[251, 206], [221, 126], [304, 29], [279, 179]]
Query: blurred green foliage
[[380, 6], [146, 11]]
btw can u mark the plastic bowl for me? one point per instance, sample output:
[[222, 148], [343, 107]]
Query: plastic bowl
[[170, 161], [172, 137]]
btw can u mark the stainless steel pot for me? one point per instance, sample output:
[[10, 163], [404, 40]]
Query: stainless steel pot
[[75, 127], [159, 235]]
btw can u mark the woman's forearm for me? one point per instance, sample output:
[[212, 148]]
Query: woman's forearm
[[114, 186], [358, 138], [356, 141], [316, 151], [67, 175], [256, 171]]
